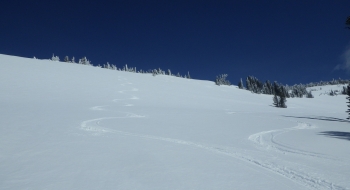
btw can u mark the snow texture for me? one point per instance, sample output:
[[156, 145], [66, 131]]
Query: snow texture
[[70, 126]]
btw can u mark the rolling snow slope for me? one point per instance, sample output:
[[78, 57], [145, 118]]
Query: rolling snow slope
[[69, 126]]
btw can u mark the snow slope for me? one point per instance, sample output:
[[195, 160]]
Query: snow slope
[[69, 126]]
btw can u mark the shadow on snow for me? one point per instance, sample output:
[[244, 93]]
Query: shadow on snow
[[333, 134], [322, 118], [336, 134]]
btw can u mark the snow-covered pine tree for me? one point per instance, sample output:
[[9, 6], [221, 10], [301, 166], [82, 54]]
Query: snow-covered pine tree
[[283, 97], [55, 58], [309, 95], [279, 101], [276, 101], [269, 87], [221, 80], [188, 75], [154, 72], [284, 92], [73, 60], [107, 66], [84, 61], [276, 89], [258, 86], [348, 98], [66, 59], [344, 90], [283, 102], [88, 62], [248, 85], [240, 84], [161, 72], [253, 85], [280, 94]]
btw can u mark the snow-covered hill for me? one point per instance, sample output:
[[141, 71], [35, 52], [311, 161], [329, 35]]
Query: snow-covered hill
[[69, 126]]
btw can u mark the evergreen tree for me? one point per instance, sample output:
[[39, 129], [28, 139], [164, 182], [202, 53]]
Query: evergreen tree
[[309, 95], [276, 89], [55, 58], [270, 86], [259, 86], [84, 61], [283, 102], [348, 98], [248, 85], [240, 84], [280, 95], [221, 80], [188, 75], [107, 66], [284, 92], [276, 101], [279, 101], [344, 90], [66, 59]]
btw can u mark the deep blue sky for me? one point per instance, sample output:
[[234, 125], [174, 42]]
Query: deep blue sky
[[287, 41]]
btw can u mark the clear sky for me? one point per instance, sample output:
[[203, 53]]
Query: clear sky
[[286, 41]]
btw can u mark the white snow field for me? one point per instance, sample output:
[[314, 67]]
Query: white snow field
[[70, 126]]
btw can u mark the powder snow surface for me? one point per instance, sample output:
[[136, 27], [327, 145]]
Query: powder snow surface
[[69, 126]]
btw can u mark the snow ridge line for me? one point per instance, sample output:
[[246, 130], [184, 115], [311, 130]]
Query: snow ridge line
[[296, 176]]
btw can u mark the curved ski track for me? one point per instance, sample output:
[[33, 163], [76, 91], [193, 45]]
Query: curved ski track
[[272, 143], [301, 178]]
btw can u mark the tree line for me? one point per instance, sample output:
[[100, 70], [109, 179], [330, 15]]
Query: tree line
[[154, 72]]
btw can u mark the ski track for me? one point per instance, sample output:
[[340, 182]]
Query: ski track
[[271, 143], [98, 108], [267, 140], [298, 177]]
